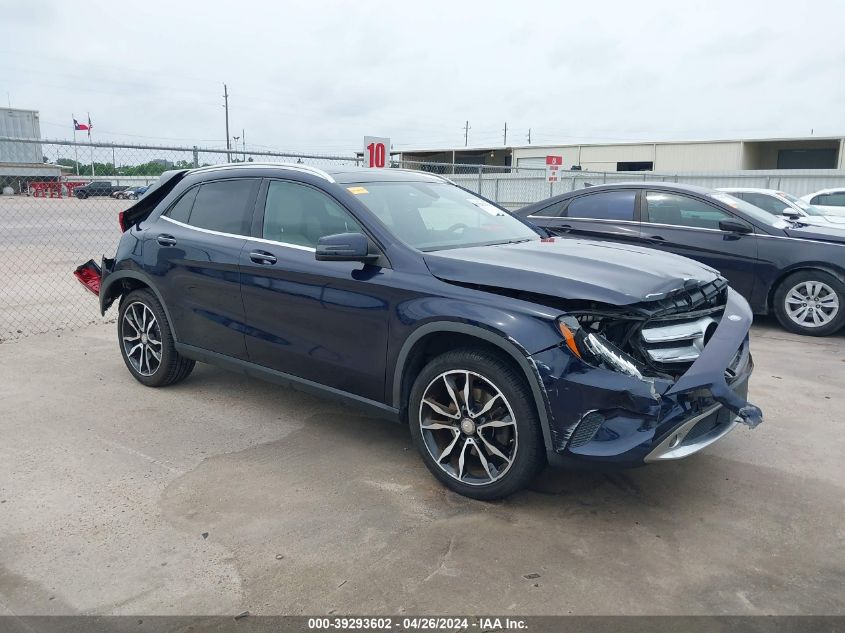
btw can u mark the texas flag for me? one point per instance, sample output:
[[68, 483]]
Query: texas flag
[[80, 126]]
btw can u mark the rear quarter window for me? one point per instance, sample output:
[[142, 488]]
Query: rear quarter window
[[181, 210], [224, 206]]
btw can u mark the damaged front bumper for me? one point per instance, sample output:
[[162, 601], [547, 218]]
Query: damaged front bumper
[[605, 417]]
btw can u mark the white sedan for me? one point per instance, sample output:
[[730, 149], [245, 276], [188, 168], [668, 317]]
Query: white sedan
[[783, 204], [831, 201]]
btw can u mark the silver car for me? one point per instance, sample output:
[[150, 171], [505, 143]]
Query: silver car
[[782, 204]]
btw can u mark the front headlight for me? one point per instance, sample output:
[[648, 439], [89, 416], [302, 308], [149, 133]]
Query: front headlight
[[595, 349]]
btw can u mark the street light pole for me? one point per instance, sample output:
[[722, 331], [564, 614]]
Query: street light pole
[[226, 105]]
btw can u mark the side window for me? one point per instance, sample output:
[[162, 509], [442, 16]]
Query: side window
[[299, 214], [677, 210], [607, 205], [830, 199], [181, 211], [222, 206]]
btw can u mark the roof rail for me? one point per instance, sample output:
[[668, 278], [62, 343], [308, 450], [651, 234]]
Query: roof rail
[[308, 169]]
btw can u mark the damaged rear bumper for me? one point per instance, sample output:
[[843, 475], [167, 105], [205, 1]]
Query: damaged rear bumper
[[604, 417]]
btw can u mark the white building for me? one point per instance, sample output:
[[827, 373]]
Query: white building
[[21, 163], [663, 156]]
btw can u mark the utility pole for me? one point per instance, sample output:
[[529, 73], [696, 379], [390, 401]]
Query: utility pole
[[236, 146], [466, 134], [243, 140], [529, 136], [226, 105], [506, 134]]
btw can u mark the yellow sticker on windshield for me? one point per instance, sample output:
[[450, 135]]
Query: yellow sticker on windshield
[[357, 190]]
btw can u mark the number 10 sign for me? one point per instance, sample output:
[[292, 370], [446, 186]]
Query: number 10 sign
[[376, 151]]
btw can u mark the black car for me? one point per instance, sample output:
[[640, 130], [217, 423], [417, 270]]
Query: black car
[[779, 265], [97, 188], [406, 294]]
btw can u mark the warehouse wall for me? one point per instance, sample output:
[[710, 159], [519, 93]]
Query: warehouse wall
[[698, 156], [665, 156]]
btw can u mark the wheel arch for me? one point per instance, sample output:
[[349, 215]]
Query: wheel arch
[[125, 281], [825, 267], [433, 337]]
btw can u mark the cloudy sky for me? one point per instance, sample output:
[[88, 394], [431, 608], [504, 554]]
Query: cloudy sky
[[317, 76]]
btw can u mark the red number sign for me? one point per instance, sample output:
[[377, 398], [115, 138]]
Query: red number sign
[[553, 164], [376, 151]]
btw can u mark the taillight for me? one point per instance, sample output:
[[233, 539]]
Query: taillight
[[121, 220], [89, 275]]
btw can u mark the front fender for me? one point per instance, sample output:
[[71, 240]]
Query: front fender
[[514, 333]]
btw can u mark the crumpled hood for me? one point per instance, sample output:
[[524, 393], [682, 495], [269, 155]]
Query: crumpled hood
[[587, 270]]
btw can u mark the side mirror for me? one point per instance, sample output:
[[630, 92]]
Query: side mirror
[[734, 226], [344, 247], [792, 214]]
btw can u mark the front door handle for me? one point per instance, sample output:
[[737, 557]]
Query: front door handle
[[563, 228], [166, 240], [656, 238], [262, 257]]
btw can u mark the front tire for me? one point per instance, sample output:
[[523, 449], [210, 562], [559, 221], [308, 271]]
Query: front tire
[[811, 302], [474, 421], [146, 341]]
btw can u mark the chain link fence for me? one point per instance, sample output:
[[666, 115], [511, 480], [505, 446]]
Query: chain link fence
[[49, 224]]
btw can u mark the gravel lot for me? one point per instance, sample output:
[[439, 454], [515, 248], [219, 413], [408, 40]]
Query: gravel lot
[[224, 494]]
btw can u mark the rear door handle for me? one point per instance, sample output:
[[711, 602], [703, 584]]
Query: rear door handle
[[656, 238], [166, 240], [563, 228], [262, 257]]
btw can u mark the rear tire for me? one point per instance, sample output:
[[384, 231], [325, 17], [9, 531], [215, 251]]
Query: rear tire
[[487, 448], [146, 341], [811, 302]]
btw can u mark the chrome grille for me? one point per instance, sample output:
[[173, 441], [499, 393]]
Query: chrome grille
[[672, 342]]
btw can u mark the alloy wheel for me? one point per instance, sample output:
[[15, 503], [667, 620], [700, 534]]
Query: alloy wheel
[[811, 304], [141, 338], [468, 427]]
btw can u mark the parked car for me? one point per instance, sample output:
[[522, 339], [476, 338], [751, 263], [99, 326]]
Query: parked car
[[121, 193], [96, 188], [422, 302], [832, 201], [783, 204], [137, 192], [790, 268], [130, 193]]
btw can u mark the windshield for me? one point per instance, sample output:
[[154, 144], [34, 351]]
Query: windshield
[[804, 206], [756, 213], [434, 216]]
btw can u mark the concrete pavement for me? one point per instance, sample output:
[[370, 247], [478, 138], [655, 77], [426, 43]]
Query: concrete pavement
[[225, 494]]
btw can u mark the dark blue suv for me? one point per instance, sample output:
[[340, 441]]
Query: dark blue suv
[[502, 348]]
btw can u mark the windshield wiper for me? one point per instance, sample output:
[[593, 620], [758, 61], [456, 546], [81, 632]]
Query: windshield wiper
[[519, 241]]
